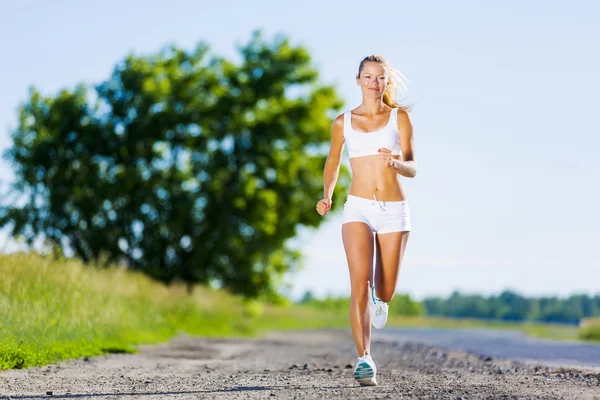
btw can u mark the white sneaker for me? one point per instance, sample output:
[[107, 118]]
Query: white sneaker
[[379, 311], [365, 371]]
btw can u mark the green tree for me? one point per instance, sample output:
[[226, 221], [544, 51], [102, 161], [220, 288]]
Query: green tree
[[402, 304], [182, 164], [308, 297], [515, 306]]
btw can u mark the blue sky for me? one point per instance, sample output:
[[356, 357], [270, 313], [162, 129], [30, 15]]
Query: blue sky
[[506, 129]]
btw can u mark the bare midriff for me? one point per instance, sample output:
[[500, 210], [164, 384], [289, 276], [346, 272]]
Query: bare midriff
[[371, 177]]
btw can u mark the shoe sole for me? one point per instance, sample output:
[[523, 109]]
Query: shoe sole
[[378, 327], [364, 375]]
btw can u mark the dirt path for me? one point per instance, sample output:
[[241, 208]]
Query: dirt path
[[314, 365]]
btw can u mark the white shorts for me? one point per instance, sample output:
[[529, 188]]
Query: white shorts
[[381, 216]]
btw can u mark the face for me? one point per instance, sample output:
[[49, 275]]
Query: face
[[373, 79]]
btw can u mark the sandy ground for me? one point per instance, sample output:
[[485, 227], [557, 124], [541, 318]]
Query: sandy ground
[[307, 365]]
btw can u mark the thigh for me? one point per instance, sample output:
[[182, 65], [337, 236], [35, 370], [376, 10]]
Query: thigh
[[390, 249], [359, 247]]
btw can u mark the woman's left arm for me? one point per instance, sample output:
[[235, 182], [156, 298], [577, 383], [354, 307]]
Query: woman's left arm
[[407, 166]]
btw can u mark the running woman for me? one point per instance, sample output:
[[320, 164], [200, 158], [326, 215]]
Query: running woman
[[376, 217]]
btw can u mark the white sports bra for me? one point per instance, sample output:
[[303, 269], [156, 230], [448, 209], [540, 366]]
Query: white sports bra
[[365, 144]]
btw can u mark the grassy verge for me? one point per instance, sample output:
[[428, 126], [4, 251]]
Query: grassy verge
[[545, 331], [590, 329], [405, 307], [50, 311]]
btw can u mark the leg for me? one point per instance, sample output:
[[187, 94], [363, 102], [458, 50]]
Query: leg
[[390, 251], [358, 244]]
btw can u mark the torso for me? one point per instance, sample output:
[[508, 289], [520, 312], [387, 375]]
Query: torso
[[370, 175]]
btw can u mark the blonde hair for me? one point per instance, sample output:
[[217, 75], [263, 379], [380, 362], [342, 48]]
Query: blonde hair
[[395, 81]]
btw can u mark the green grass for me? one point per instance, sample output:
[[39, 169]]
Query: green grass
[[540, 330], [590, 329], [54, 310], [546, 331]]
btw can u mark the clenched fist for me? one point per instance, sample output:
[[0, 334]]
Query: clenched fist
[[386, 156], [323, 206]]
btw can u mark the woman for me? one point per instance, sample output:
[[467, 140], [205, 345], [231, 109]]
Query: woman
[[376, 218]]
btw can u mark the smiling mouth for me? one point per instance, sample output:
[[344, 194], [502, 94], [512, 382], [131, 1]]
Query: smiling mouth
[[374, 89]]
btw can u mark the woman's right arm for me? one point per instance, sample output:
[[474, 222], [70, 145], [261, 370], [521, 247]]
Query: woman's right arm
[[332, 165]]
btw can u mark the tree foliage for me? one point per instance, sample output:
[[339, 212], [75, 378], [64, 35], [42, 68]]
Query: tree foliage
[[511, 306], [401, 304], [182, 164]]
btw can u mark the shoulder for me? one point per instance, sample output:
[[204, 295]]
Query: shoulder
[[338, 122], [337, 126], [403, 118]]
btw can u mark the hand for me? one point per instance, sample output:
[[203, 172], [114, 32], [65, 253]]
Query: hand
[[323, 206], [386, 156]]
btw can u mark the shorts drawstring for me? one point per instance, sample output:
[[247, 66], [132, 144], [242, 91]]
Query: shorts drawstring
[[380, 203]]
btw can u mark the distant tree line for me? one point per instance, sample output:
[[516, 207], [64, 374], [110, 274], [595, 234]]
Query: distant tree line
[[510, 306], [507, 306], [401, 304]]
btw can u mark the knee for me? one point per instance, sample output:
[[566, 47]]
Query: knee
[[360, 291], [386, 296]]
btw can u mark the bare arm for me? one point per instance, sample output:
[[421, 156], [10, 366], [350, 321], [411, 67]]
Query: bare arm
[[332, 165], [407, 166]]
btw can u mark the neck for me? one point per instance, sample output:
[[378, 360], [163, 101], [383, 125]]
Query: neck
[[373, 106]]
